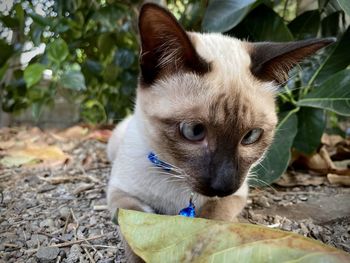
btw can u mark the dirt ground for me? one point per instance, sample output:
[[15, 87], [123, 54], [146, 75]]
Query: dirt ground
[[59, 214]]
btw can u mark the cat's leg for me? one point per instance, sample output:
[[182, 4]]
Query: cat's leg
[[225, 208], [120, 199]]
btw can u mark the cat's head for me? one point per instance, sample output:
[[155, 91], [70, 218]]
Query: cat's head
[[207, 100]]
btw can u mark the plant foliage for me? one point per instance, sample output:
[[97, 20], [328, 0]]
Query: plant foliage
[[90, 49]]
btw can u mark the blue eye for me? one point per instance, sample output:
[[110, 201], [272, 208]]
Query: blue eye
[[252, 136], [192, 131]]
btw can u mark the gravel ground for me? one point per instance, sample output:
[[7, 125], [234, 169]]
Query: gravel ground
[[60, 215]]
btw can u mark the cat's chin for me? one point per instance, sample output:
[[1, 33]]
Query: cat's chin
[[213, 193]]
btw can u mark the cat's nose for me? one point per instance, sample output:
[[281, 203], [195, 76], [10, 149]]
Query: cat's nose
[[221, 190], [222, 182]]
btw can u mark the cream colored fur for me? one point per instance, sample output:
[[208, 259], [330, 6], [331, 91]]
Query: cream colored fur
[[130, 143]]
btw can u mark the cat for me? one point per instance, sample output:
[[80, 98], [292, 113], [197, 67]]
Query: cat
[[205, 106]]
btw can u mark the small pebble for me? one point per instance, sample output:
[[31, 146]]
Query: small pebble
[[47, 254], [287, 225], [64, 212], [262, 201], [277, 198], [303, 197]]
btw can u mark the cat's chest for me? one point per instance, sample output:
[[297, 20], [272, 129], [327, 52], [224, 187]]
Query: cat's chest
[[166, 196]]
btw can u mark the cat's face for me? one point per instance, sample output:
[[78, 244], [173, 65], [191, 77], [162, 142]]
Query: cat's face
[[206, 101]]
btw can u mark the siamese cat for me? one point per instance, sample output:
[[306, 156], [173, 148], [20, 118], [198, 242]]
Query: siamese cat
[[205, 106]]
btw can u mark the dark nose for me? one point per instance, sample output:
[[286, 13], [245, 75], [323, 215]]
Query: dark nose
[[223, 179]]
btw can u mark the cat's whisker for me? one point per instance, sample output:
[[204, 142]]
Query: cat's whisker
[[253, 178], [156, 168]]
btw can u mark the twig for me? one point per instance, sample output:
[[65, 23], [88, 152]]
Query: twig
[[11, 245], [67, 179], [66, 223], [69, 243], [76, 229], [76, 241], [100, 207], [98, 246], [93, 247], [89, 256]]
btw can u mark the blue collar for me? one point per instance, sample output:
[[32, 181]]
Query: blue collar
[[153, 158], [188, 211]]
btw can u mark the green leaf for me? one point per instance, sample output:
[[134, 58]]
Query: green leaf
[[73, 79], [159, 238], [33, 73], [9, 21], [57, 51], [37, 108], [333, 94], [305, 25], [40, 20], [311, 124], [6, 51], [223, 15], [330, 25], [106, 43], [277, 158], [262, 24], [345, 5], [94, 112], [338, 59]]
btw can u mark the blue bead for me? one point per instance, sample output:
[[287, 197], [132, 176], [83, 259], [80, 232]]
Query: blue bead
[[188, 211]]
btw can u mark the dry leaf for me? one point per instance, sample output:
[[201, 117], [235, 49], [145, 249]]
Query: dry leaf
[[13, 161], [331, 139], [300, 179], [35, 155], [100, 135], [339, 179], [159, 238], [75, 132]]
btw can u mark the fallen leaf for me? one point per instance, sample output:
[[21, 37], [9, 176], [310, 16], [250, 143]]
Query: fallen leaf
[[319, 161], [100, 135], [331, 139], [75, 132], [34, 155], [4, 145], [291, 179], [12, 161], [159, 238], [339, 179]]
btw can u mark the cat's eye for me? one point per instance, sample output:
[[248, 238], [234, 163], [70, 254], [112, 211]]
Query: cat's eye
[[192, 131], [252, 136]]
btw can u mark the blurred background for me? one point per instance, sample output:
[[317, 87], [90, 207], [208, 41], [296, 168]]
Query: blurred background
[[69, 61]]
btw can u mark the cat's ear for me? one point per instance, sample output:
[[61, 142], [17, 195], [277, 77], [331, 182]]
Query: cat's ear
[[271, 61], [165, 46]]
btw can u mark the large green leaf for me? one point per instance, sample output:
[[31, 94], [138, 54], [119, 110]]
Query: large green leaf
[[262, 24], [311, 124], [337, 60], [277, 158], [333, 94], [305, 25], [6, 51], [159, 238], [32, 74], [73, 79], [345, 5], [330, 25], [57, 51], [223, 15]]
